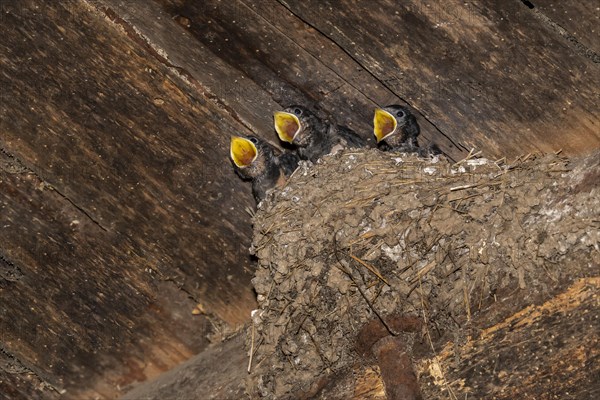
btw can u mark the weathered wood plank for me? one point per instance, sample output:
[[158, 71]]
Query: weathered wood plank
[[123, 206], [205, 71], [489, 76], [217, 373], [291, 61], [81, 310], [557, 344], [19, 382], [112, 130], [580, 21]]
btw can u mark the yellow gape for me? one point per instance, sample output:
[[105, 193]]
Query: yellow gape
[[287, 126], [243, 151], [384, 124]]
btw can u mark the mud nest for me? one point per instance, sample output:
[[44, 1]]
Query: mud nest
[[364, 234]]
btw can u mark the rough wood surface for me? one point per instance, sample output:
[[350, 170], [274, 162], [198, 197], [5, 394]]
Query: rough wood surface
[[208, 74], [119, 210], [122, 208], [61, 321], [550, 351], [490, 76], [577, 22], [217, 373], [293, 62]]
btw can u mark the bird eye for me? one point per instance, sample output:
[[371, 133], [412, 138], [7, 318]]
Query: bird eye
[[254, 140], [400, 114], [297, 111]]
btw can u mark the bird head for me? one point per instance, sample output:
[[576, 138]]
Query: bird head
[[390, 120], [295, 125], [245, 153]]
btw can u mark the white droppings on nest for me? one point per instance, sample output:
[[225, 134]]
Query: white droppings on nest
[[459, 170], [554, 214], [393, 253], [476, 162], [363, 223], [482, 247]]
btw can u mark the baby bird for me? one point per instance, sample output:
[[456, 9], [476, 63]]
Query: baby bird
[[397, 129], [313, 137], [258, 161]]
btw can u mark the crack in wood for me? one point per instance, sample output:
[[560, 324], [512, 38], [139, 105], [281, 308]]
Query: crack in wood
[[572, 41], [12, 365], [20, 167], [80, 209], [179, 286], [9, 272], [528, 3], [383, 82], [341, 85], [345, 82], [13, 165]]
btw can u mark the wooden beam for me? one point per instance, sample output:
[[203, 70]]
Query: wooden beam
[[114, 132], [576, 22], [80, 303], [290, 60], [120, 210], [489, 76], [545, 351]]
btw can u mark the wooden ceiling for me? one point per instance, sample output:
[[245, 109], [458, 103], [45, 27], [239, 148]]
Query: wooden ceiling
[[119, 208]]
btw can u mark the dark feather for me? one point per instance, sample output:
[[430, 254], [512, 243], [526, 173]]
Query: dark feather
[[318, 137]]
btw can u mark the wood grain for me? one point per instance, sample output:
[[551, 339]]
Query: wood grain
[[293, 62], [488, 76], [125, 212], [577, 22], [119, 208], [544, 352]]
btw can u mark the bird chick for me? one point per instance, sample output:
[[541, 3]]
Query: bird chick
[[397, 129], [312, 136], [258, 161]]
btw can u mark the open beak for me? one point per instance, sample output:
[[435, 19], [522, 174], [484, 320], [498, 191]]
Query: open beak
[[384, 124], [287, 125], [243, 152]]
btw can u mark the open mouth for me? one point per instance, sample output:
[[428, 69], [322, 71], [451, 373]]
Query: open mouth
[[287, 125], [243, 152], [384, 124]]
